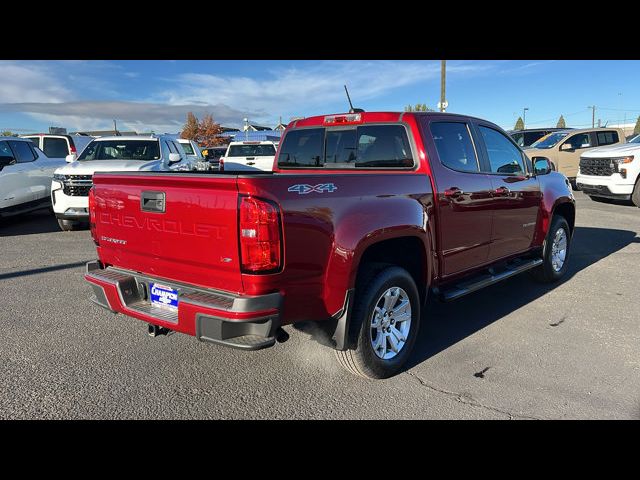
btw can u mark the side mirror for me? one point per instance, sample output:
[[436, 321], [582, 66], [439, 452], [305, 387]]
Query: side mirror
[[541, 165], [566, 147], [7, 160], [174, 158], [70, 158]]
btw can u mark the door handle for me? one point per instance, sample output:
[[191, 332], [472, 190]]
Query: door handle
[[502, 191], [453, 192]]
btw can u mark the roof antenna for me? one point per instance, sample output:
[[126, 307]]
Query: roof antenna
[[352, 110]]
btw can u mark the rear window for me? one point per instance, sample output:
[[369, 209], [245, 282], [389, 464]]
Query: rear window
[[367, 146], [121, 150], [55, 147], [257, 150], [35, 140]]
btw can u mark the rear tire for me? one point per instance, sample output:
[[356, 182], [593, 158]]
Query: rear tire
[[384, 324], [554, 262], [68, 225]]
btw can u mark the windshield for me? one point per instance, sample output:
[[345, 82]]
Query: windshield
[[257, 150], [143, 150], [188, 149], [635, 139], [550, 140]]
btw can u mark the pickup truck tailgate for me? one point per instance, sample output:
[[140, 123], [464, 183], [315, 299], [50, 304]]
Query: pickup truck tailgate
[[172, 226]]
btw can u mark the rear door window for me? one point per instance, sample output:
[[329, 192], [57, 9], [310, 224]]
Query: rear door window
[[607, 138], [55, 147], [23, 152], [454, 146]]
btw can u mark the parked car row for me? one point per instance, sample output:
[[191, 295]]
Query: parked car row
[[30, 179]]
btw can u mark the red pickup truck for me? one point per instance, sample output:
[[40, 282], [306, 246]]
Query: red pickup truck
[[364, 215]]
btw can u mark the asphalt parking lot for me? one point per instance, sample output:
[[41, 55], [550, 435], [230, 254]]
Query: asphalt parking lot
[[517, 350]]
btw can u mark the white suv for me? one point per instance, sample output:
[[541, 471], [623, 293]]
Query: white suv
[[59, 146], [25, 176], [611, 172], [71, 184]]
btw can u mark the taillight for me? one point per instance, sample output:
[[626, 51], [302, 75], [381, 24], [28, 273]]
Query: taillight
[[221, 164], [92, 215], [260, 237]]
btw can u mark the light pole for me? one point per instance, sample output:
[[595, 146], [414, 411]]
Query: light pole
[[443, 104], [524, 117], [246, 129]]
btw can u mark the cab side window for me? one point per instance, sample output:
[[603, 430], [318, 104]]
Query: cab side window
[[504, 156], [22, 151], [454, 146]]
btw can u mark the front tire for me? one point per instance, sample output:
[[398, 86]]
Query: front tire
[[635, 196], [68, 225], [555, 253], [384, 324]]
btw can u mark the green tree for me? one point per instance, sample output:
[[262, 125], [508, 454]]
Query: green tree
[[7, 133], [561, 123], [419, 107], [519, 124], [636, 130]]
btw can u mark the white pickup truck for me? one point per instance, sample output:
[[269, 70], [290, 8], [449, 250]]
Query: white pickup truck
[[71, 183], [611, 172], [249, 156]]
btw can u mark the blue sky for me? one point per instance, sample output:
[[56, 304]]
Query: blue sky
[[155, 95]]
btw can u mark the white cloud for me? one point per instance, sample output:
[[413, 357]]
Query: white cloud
[[30, 83], [295, 90], [92, 115]]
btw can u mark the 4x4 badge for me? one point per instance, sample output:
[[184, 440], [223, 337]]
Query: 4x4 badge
[[303, 188]]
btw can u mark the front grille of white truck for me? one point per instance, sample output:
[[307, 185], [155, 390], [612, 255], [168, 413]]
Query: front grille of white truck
[[601, 167], [77, 185]]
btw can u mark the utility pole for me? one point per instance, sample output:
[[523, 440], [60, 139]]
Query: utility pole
[[593, 115], [443, 74], [115, 128], [524, 117]]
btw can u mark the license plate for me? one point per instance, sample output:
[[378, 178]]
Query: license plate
[[163, 296]]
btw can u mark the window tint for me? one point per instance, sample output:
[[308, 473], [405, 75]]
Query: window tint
[[121, 150], [581, 140], [5, 151], [55, 147], [375, 146], [607, 138], [504, 156], [453, 143], [383, 146], [302, 148], [23, 152], [340, 146]]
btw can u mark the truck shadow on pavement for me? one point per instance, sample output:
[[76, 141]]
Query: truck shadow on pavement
[[445, 324], [39, 221]]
